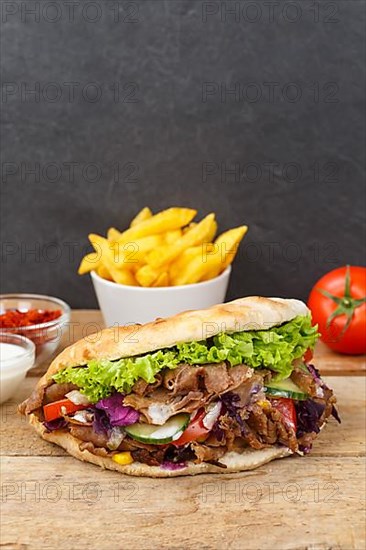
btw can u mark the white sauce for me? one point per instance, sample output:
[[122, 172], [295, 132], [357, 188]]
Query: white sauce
[[11, 351], [15, 361]]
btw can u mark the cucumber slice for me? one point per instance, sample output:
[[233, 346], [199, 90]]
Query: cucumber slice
[[158, 435], [285, 388]]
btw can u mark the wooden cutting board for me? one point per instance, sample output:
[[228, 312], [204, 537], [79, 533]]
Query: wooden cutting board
[[50, 500]]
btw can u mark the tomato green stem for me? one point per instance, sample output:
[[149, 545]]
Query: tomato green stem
[[346, 305]]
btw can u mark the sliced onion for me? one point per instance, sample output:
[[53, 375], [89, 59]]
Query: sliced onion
[[116, 437], [82, 417], [77, 398], [159, 413], [213, 412]]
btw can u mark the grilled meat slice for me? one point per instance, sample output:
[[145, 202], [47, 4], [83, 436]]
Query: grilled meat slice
[[55, 392], [215, 378]]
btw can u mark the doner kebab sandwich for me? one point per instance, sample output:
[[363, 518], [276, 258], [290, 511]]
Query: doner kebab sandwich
[[223, 389]]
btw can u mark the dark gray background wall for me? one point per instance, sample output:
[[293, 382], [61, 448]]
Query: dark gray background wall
[[254, 110]]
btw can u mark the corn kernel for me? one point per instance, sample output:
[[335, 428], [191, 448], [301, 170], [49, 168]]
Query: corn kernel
[[123, 458], [264, 404]]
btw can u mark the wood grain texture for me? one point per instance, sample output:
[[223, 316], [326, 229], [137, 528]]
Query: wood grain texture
[[336, 364], [51, 500], [290, 503], [86, 321]]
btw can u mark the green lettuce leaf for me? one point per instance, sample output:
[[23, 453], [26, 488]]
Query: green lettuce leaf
[[275, 349]]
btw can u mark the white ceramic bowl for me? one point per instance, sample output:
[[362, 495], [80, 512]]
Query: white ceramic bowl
[[14, 366], [122, 304]]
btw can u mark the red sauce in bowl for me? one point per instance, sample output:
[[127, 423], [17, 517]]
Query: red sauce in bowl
[[13, 318]]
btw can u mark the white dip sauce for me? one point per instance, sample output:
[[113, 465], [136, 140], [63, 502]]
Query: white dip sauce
[[9, 352]]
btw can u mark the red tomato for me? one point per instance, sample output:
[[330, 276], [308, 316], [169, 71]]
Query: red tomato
[[337, 302], [308, 355], [287, 408], [194, 431], [60, 408]]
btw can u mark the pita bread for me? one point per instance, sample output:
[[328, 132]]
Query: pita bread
[[251, 313], [235, 462]]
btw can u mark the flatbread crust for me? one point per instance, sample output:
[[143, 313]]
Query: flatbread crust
[[235, 462]]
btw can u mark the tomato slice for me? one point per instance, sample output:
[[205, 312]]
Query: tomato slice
[[308, 355], [60, 408], [287, 408], [195, 430]]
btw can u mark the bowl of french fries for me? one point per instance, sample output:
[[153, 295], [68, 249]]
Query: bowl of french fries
[[162, 264]]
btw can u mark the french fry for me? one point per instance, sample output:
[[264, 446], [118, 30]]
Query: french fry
[[147, 276], [104, 248], [211, 232], [212, 272], [108, 257], [179, 264], [172, 218], [197, 235], [225, 249], [113, 234], [145, 244], [195, 269], [135, 267], [131, 253], [162, 280], [143, 215], [215, 259], [163, 249], [123, 277], [89, 263], [124, 255], [104, 273], [189, 226], [170, 237], [228, 243]]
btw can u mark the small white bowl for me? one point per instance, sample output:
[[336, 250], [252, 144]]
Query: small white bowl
[[123, 305], [14, 364]]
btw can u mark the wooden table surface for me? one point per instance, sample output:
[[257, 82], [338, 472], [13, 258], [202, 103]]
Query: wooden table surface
[[50, 500]]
